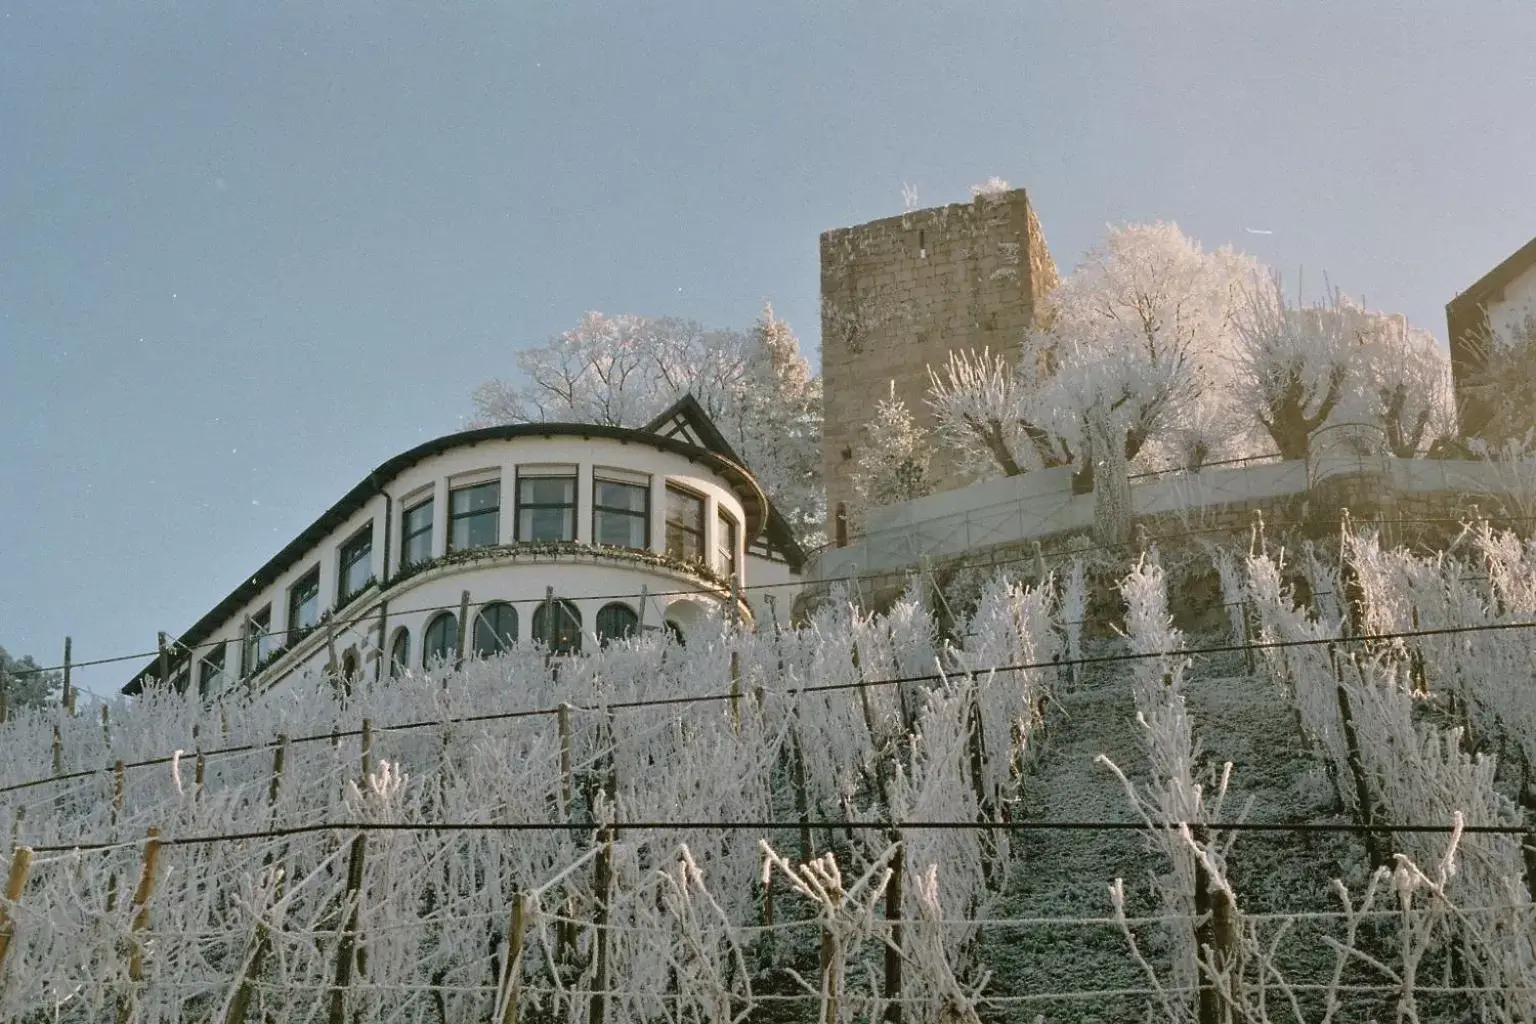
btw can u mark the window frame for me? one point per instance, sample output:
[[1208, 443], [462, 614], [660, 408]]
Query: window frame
[[632, 626], [406, 535], [296, 632], [449, 652], [400, 652], [504, 640], [217, 659], [494, 512], [256, 645], [344, 564], [560, 646], [725, 552], [519, 505], [599, 477], [701, 532]]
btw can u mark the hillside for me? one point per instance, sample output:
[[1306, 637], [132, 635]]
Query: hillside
[[629, 826]]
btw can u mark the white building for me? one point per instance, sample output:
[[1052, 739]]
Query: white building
[[1502, 302], [627, 529]]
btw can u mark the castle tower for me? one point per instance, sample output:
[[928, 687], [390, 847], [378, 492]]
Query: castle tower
[[899, 294]]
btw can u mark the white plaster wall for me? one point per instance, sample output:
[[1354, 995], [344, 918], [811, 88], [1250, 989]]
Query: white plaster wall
[[1507, 315], [520, 580]]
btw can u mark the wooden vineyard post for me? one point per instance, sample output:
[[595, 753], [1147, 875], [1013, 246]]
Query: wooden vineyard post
[[67, 697], [162, 644], [735, 691], [21, 863], [140, 907], [1362, 786], [567, 784], [892, 992], [512, 972], [346, 949], [602, 885], [458, 661], [367, 747], [106, 727], [332, 670], [58, 752], [379, 664], [1216, 943]]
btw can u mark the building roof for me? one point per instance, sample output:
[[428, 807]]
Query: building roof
[[683, 429], [1466, 326]]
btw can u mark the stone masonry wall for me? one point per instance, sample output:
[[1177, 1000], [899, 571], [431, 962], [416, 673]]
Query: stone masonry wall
[[899, 294]]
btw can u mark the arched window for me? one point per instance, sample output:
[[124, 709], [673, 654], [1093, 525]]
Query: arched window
[[437, 642], [400, 653], [616, 622], [676, 633], [560, 631], [495, 628]]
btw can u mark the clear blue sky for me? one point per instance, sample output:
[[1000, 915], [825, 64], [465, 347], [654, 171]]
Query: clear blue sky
[[250, 250]]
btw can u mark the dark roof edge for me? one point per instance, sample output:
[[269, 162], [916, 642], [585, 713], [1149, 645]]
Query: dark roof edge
[[722, 460], [776, 526], [1512, 267]]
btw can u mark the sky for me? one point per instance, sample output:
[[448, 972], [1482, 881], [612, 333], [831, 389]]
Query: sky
[[248, 251]]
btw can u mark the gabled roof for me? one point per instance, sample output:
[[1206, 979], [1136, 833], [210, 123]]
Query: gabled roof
[[1492, 283], [700, 441], [685, 419]]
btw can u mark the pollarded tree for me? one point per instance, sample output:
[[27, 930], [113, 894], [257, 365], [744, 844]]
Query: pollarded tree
[[622, 370], [893, 459], [1407, 385], [1293, 365]]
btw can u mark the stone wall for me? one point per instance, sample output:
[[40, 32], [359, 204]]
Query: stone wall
[[899, 294]]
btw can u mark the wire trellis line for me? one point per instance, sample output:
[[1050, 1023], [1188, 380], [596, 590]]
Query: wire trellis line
[[722, 696]]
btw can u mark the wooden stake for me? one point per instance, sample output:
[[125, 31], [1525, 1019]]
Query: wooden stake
[[892, 990], [602, 884], [346, 949], [106, 728], [458, 662], [330, 651], [163, 646], [21, 863], [58, 752], [367, 747], [735, 692], [645, 597], [140, 907], [512, 971], [567, 784], [68, 696]]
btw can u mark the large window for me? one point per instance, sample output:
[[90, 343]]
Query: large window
[[210, 674], [354, 565], [439, 640], [616, 622], [400, 653], [473, 516], [685, 525], [621, 513], [259, 641], [304, 605], [416, 534], [560, 630], [546, 508], [725, 545], [495, 628]]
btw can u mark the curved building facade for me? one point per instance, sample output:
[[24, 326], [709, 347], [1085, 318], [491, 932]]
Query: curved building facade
[[565, 535]]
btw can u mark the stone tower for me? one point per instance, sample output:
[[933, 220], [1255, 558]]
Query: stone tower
[[899, 294]]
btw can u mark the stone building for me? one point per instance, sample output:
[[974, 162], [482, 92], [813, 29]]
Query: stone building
[[899, 294]]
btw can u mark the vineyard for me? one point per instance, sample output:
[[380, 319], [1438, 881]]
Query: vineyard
[[1317, 813]]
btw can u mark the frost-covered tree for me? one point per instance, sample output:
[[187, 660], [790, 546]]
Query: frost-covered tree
[[1502, 378], [27, 686], [623, 369], [892, 464], [1301, 367], [1130, 364]]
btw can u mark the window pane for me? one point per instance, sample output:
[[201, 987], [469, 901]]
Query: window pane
[[547, 524], [619, 529], [475, 531], [419, 518], [547, 490], [475, 499], [303, 604], [615, 621], [417, 549], [685, 510], [495, 629], [438, 642], [624, 496]]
